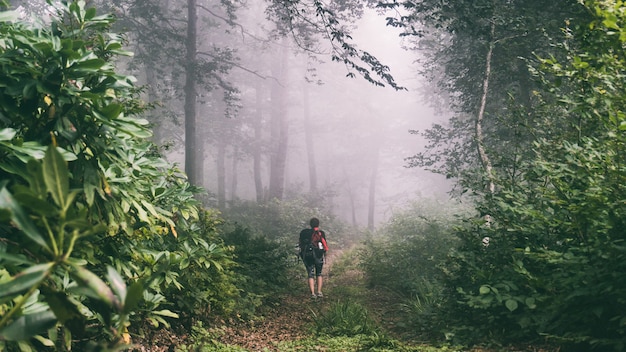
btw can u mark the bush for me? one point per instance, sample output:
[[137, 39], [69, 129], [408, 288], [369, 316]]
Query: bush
[[264, 269], [343, 319], [408, 256]]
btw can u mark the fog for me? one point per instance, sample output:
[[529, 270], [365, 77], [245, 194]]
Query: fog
[[353, 123], [357, 129]]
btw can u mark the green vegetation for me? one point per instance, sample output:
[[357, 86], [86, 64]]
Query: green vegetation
[[102, 241]]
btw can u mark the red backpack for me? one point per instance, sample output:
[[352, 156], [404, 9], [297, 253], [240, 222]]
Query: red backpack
[[319, 243]]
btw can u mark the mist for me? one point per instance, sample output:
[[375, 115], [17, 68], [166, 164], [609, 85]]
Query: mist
[[355, 126], [358, 133]]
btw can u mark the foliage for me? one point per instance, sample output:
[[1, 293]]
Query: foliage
[[343, 318], [372, 343], [36, 282], [99, 232], [408, 257], [205, 340], [282, 220], [263, 267], [306, 19], [454, 37], [192, 274], [556, 240]]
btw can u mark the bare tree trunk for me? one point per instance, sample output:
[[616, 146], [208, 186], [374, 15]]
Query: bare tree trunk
[[191, 146], [484, 158], [279, 126], [371, 208], [151, 82], [234, 179], [352, 205], [258, 142], [308, 137], [221, 173]]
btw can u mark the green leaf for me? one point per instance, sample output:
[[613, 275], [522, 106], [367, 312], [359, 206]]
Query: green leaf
[[88, 65], [511, 304], [94, 287], [56, 176], [117, 283], [111, 111], [90, 13], [28, 326], [21, 219], [6, 134], [25, 280], [484, 289], [9, 16], [36, 204], [16, 259], [134, 296], [62, 307], [166, 313]]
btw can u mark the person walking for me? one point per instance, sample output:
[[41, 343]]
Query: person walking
[[313, 248]]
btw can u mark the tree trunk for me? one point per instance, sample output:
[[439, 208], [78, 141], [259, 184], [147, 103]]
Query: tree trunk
[[308, 136], [279, 126], [258, 142], [484, 158], [352, 204], [157, 126], [234, 180], [191, 146], [221, 173], [372, 189]]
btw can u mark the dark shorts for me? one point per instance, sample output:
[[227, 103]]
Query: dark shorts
[[314, 267]]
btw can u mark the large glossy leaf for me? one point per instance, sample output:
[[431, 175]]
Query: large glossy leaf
[[15, 259], [20, 218], [36, 204], [62, 307], [6, 134], [28, 326], [117, 283], [56, 176], [93, 286], [23, 281], [133, 296]]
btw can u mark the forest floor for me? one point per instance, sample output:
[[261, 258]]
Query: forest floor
[[291, 319]]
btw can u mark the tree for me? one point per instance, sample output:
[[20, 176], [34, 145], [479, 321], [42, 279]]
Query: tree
[[476, 55], [556, 222], [78, 176]]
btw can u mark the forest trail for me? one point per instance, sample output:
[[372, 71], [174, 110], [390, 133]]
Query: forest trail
[[289, 320]]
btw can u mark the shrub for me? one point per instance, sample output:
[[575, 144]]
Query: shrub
[[408, 256], [343, 319], [263, 268]]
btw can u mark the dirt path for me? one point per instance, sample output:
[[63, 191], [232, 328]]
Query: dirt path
[[285, 322]]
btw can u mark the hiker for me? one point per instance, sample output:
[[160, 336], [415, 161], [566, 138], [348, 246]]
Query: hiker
[[313, 248]]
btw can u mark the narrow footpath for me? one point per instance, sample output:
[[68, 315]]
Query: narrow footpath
[[289, 320]]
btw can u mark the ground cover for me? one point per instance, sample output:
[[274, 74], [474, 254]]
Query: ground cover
[[289, 325]]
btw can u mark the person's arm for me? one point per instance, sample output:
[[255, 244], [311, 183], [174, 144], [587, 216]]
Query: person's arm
[[324, 241]]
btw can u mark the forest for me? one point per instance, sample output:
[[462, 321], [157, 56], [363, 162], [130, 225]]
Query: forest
[[466, 159]]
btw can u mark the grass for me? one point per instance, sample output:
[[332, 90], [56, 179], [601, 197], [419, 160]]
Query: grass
[[342, 324]]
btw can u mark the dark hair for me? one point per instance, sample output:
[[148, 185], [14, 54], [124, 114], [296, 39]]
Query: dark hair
[[315, 222]]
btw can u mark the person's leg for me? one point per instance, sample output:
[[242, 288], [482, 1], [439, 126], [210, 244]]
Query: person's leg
[[318, 276], [310, 269]]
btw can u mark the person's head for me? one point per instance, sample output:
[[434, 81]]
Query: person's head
[[315, 222]]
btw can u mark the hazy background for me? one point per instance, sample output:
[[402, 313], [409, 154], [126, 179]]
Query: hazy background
[[350, 119], [357, 128]]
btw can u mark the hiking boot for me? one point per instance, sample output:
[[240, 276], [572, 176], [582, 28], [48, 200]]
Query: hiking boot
[[320, 295], [313, 296]]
